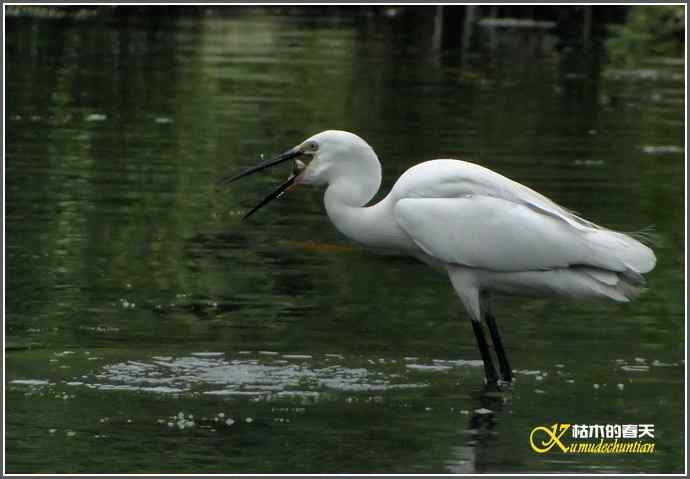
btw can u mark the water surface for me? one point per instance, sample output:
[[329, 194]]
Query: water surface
[[141, 311]]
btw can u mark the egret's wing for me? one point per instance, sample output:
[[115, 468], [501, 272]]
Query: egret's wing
[[499, 235], [487, 233], [463, 213], [455, 178]]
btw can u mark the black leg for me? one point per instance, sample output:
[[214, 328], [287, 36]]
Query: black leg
[[506, 372], [489, 369]]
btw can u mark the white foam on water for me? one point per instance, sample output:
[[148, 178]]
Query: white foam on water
[[31, 382], [428, 367], [635, 368], [230, 392], [263, 375]]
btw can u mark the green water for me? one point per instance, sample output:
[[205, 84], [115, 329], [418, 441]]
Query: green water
[[134, 292]]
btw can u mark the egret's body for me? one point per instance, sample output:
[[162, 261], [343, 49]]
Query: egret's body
[[489, 234]]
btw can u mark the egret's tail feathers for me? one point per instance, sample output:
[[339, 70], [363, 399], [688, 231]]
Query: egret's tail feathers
[[622, 287], [648, 236], [620, 252], [633, 277], [580, 282]]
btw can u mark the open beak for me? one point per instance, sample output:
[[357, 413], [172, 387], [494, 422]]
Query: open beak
[[288, 155], [278, 192]]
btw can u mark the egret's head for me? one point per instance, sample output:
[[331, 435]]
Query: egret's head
[[334, 153], [320, 160]]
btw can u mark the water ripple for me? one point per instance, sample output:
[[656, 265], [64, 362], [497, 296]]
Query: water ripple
[[263, 374]]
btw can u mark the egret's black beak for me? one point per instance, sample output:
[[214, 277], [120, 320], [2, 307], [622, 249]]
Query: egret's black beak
[[288, 155], [277, 193]]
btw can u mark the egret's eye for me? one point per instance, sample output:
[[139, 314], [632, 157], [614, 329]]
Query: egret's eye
[[312, 146]]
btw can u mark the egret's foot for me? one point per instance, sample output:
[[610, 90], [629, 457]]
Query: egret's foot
[[499, 382], [497, 388], [504, 385]]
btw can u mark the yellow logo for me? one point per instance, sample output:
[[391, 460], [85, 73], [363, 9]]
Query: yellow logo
[[593, 438], [552, 438]]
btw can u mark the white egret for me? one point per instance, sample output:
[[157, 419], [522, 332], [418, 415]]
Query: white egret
[[489, 234]]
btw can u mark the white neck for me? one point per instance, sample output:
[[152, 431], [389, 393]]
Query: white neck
[[352, 181], [373, 226], [345, 198]]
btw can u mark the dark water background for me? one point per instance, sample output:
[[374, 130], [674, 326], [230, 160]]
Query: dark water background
[[135, 294]]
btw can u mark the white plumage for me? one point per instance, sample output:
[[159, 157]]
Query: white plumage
[[491, 227], [490, 234]]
